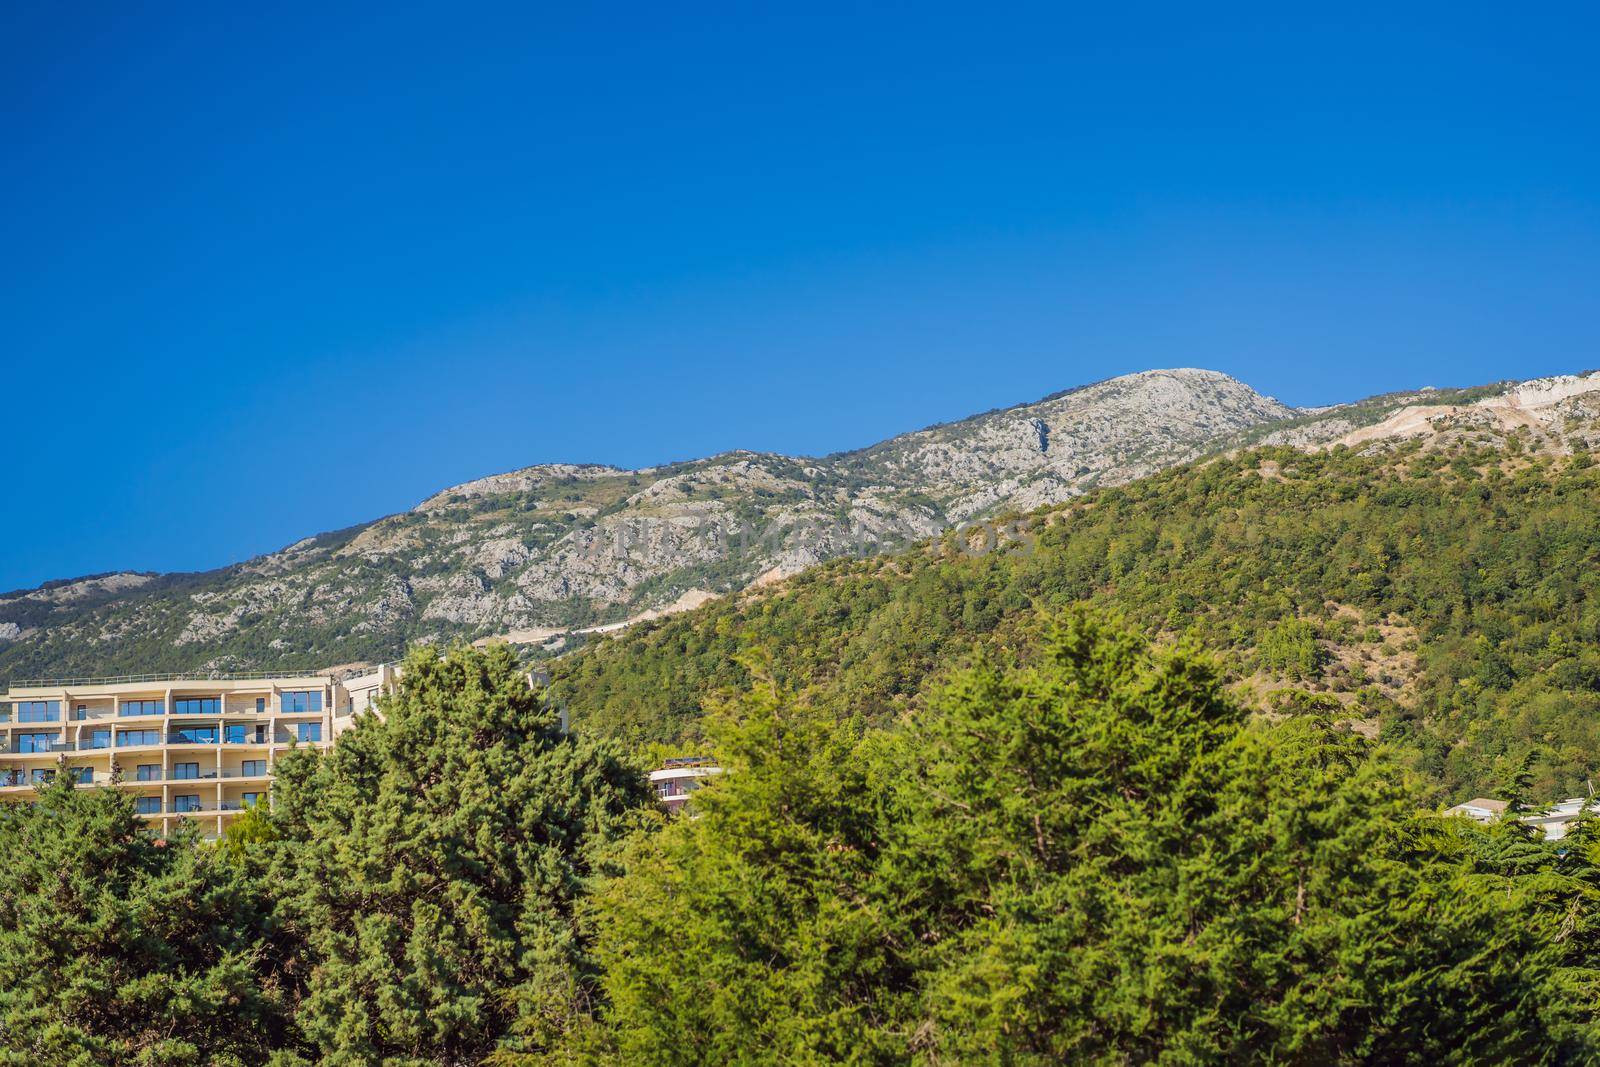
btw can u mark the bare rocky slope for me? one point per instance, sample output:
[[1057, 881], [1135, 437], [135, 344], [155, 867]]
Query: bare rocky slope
[[540, 552], [536, 552]]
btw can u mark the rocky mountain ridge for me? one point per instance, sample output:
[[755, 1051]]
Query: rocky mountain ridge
[[535, 553], [557, 547]]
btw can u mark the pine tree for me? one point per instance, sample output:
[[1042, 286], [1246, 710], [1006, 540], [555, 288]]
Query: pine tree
[[117, 947], [437, 855], [752, 931]]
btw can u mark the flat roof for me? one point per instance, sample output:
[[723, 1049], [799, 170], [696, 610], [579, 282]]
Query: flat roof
[[196, 677]]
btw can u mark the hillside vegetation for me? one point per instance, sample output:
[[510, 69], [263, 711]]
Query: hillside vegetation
[[1442, 594]]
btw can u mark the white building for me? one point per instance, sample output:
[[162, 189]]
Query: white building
[[677, 778], [1558, 820], [1553, 823], [1479, 809]]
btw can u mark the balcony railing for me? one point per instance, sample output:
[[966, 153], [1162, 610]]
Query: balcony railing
[[14, 779], [174, 739], [201, 776], [107, 716], [225, 806], [178, 676], [45, 749]]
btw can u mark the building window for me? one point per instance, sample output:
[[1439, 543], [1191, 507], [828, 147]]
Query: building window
[[36, 742], [82, 775], [308, 731], [131, 708], [99, 739], [195, 735], [13, 776], [184, 771], [197, 706], [147, 805], [82, 712], [261, 705], [294, 703], [42, 776], [148, 772], [251, 768], [186, 802], [249, 800], [138, 737], [38, 711]]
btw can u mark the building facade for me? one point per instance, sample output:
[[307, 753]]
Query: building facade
[[679, 777], [1553, 822], [196, 748]]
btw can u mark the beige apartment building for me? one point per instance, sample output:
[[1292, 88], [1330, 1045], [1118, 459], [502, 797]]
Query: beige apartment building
[[185, 747]]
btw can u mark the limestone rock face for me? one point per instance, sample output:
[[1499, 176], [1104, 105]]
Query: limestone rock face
[[558, 548], [1558, 414], [1103, 434]]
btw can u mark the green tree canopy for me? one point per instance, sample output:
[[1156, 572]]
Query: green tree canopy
[[751, 931], [436, 854], [1095, 856], [118, 947]]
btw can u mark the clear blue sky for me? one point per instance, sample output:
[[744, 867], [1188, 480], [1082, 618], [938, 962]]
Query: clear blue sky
[[279, 269]]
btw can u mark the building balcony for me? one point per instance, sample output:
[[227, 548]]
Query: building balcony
[[46, 749], [228, 807]]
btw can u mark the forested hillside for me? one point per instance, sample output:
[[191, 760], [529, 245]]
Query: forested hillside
[[1440, 593]]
